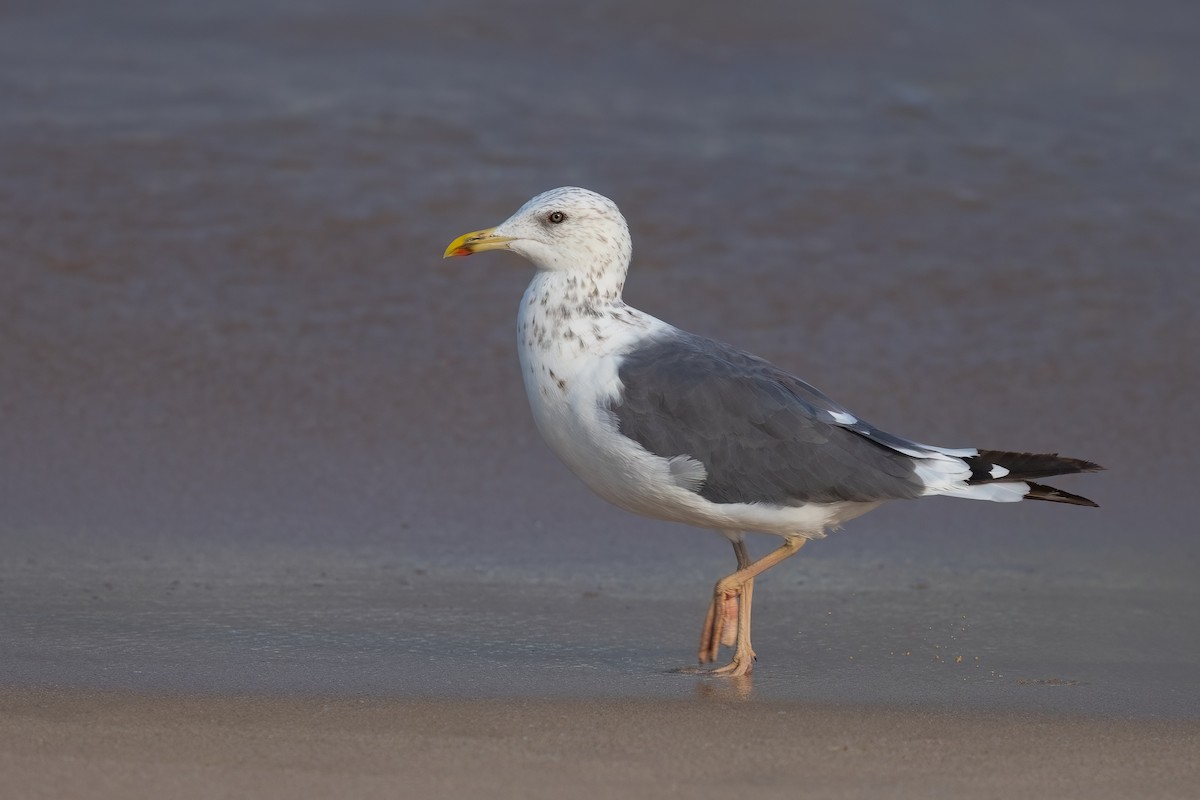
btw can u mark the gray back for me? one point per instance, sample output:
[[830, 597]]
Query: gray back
[[763, 435]]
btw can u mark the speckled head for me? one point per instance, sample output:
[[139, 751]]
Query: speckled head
[[563, 230]]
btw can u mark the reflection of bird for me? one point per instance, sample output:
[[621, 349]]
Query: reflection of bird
[[675, 426]]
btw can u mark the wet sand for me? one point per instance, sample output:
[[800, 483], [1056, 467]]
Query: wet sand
[[259, 444], [846, 627], [63, 744]]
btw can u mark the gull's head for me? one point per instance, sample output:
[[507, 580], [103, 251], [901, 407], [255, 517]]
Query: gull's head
[[567, 229]]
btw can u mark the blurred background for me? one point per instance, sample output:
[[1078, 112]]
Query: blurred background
[[235, 373]]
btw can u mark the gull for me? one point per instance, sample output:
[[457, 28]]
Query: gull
[[679, 427]]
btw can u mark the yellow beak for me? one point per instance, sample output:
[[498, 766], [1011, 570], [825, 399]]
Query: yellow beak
[[477, 242]]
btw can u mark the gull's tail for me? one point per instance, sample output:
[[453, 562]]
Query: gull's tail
[[999, 475]]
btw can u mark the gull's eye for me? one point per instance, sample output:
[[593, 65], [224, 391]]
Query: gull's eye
[[557, 217]]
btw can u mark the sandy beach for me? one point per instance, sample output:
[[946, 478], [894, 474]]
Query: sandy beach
[[70, 744], [275, 520]]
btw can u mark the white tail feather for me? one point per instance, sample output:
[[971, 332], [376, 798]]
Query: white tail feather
[[941, 473], [946, 475], [996, 492]]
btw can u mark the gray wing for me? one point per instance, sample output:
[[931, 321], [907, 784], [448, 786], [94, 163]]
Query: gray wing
[[762, 435]]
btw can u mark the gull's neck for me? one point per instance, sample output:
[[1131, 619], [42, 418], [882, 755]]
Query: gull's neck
[[597, 286], [562, 308], [566, 315]]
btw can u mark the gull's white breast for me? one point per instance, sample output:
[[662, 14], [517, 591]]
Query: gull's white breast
[[570, 355]]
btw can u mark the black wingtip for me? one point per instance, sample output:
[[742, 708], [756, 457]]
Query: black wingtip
[[1040, 491], [1022, 466]]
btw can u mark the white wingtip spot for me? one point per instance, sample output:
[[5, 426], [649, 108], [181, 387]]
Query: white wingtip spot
[[842, 418], [997, 471]]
